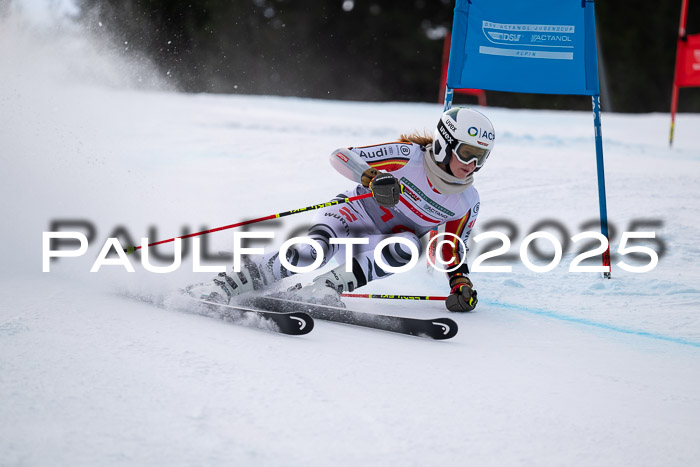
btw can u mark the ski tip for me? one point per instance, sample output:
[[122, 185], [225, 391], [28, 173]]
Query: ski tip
[[443, 328], [301, 323]]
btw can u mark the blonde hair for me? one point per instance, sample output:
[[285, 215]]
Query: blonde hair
[[422, 139]]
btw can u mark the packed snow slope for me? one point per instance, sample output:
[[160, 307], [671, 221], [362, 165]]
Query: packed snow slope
[[552, 368]]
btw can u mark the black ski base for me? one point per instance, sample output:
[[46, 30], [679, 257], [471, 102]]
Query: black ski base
[[438, 328], [290, 322]]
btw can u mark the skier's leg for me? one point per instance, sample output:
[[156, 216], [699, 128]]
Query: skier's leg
[[365, 268], [259, 272], [339, 221]]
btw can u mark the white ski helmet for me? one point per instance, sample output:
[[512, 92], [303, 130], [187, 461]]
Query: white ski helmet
[[467, 133]]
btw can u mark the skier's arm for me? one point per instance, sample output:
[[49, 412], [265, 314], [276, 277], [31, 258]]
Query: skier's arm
[[462, 294], [362, 164], [350, 165], [454, 251]]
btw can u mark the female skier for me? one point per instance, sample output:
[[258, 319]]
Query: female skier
[[417, 184]]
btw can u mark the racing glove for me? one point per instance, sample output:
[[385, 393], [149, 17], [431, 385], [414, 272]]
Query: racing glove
[[385, 188], [462, 294]]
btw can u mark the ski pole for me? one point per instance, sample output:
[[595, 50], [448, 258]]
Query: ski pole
[[394, 297], [131, 249]]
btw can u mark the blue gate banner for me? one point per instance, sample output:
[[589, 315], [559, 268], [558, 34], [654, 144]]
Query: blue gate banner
[[534, 46]]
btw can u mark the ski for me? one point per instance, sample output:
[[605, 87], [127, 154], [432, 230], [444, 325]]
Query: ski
[[290, 322], [437, 328]]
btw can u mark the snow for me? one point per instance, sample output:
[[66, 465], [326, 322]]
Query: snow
[[552, 368]]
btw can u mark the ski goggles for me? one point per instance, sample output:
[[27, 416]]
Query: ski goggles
[[467, 154]]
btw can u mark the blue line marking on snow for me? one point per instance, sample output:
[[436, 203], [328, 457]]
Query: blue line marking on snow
[[588, 322]]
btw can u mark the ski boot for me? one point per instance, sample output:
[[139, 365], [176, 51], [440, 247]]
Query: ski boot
[[224, 287], [326, 289]]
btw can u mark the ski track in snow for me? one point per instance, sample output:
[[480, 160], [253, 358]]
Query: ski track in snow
[[551, 369]]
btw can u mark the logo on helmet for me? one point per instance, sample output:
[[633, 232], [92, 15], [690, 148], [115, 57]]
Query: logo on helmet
[[474, 131], [446, 134]]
